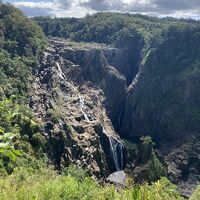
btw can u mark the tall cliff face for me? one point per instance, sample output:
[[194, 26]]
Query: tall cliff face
[[82, 95], [99, 71], [72, 92], [163, 101]]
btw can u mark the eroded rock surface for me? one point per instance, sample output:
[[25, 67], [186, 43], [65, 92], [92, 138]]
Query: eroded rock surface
[[73, 90]]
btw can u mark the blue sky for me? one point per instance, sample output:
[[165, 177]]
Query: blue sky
[[79, 8]]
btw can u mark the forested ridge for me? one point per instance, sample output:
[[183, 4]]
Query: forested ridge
[[111, 28]]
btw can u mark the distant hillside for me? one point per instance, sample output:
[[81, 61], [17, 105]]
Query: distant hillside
[[109, 28]]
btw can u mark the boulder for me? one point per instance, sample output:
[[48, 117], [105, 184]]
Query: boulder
[[118, 178]]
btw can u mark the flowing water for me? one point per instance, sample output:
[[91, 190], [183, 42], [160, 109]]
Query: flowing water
[[82, 107], [117, 149], [60, 72], [81, 99]]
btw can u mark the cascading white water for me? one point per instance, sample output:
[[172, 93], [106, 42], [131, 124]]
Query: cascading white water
[[117, 152], [82, 107], [81, 100], [44, 59], [113, 147], [60, 72]]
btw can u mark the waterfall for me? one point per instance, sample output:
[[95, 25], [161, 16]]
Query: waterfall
[[82, 107], [44, 59], [60, 72], [81, 100], [117, 150], [117, 153]]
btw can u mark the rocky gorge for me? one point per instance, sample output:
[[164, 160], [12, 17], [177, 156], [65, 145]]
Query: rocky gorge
[[86, 102]]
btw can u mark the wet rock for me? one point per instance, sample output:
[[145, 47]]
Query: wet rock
[[114, 149]]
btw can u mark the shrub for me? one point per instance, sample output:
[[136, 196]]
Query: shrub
[[155, 169], [38, 141], [196, 194], [25, 184], [76, 172]]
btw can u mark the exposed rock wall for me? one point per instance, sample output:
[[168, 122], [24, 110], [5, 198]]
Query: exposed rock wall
[[70, 92], [163, 101]]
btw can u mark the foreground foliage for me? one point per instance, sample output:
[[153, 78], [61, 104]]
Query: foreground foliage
[[27, 184], [196, 195], [20, 139], [21, 43]]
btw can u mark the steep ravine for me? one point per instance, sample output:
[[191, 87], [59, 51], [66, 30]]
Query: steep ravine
[[87, 94]]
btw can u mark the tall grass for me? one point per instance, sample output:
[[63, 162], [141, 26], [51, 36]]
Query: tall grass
[[46, 184]]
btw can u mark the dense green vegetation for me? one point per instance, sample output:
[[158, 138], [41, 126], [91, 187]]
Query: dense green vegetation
[[21, 42], [73, 184], [109, 28], [20, 139]]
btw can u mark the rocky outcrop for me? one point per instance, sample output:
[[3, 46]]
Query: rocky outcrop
[[96, 68], [183, 163], [118, 178], [69, 99]]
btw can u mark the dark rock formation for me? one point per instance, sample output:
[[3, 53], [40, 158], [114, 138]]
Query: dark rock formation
[[114, 149], [183, 162], [163, 99]]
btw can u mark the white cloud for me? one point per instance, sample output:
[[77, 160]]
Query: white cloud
[[57, 8], [41, 4], [35, 8], [79, 8]]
